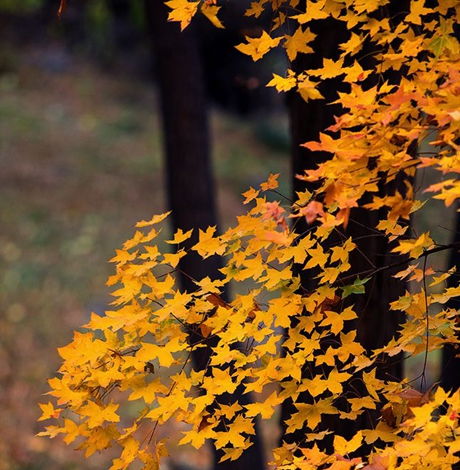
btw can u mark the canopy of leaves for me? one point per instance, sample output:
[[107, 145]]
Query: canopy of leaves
[[119, 356]]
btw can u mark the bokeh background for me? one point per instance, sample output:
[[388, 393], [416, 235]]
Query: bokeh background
[[81, 161]]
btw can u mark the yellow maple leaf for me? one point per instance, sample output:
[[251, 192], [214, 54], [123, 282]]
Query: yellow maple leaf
[[135, 240], [252, 268], [335, 380], [210, 11], [173, 258], [353, 45], [373, 384], [242, 424], [258, 47], [438, 279], [310, 413], [315, 386], [382, 431], [180, 236], [318, 257], [357, 404], [234, 433], [229, 411], [72, 430], [270, 346], [128, 455], [330, 69], [234, 453], [417, 10], [182, 11], [307, 89], [123, 256], [344, 447], [98, 414], [220, 382], [154, 220], [300, 251], [279, 238], [283, 308], [314, 11], [149, 352], [210, 286], [314, 456], [335, 320], [51, 431], [265, 408], [271, 183], [415, 247], [48, 411], [274, 277], [250, 194], [100, 439], [148, 392], [349, 346], [341, 252], [283, 83], [209, 245], [255, 9], [355, 73], [298, 43]]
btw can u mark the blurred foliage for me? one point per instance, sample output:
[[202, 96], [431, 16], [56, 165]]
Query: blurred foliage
[[97, 19], [21, 7], [137, 13]]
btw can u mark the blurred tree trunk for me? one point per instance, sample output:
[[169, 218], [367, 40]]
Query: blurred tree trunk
[[450, 364], [190, 187], [122, 29]]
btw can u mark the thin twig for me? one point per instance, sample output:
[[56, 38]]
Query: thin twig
[[427, 316]]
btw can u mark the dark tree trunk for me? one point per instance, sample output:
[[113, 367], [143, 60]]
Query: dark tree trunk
[[307, 120], [450, 365], [190, 187], [376, 325], [122, 29]]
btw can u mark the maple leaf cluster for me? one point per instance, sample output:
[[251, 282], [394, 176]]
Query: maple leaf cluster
[[265, 335]]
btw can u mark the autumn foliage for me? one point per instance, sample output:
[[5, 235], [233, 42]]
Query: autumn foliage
[[274, 332]]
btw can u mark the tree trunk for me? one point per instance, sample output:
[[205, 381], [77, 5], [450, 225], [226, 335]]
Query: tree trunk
[[190, 187], [450, 364], [376, 325], [122, 30], [307, 120]]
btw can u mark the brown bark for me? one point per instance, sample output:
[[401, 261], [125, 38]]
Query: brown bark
[[376, 324], [307, 120], [450, 364]]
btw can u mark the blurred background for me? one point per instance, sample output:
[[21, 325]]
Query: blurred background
[[81, 160]]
